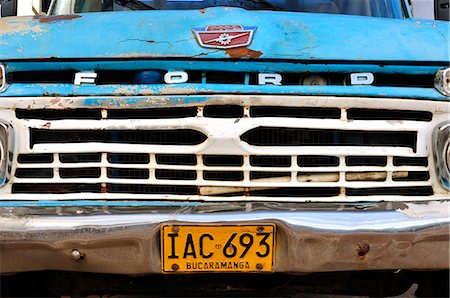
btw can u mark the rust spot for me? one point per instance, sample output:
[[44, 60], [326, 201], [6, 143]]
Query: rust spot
[[362, 250], [202, 10], [49, 19], [150, 41], [243, 53], [247, 191], [47, 125]]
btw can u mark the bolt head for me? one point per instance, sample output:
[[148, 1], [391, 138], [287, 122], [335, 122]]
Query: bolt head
[[75, 255], [259, 266], [175, 267]]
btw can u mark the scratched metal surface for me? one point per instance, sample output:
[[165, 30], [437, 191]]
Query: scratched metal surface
[[187, 89], [280, 35]]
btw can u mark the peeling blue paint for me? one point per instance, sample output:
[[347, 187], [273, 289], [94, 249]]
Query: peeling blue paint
[[280, 35], [57, 90]]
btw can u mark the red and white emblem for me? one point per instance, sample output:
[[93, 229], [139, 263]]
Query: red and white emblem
[[224, 36]]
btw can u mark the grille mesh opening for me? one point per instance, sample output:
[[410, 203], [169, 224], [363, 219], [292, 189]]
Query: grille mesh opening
[[360, 161], [401, 191], [152, 189], [79, 172], [370, 114], [270, 161], [410, 161], [223, 111], [280, 136], [160, 113], [298, 192], [317, 161], [155, 137], [223, 176], [176, 159], [176, 174], [34, 173], [79, 157], [35, 158], [49, 114], [266, 176], [294, 112], [223, 160], [411, 176], [125, 173], [60, 188], [128, 158]]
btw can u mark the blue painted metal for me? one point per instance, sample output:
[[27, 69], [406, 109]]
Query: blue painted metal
[[280, 35], [220, 65], [191, 89]]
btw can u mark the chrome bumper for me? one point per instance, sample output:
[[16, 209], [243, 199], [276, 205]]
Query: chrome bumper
[[125, 240]]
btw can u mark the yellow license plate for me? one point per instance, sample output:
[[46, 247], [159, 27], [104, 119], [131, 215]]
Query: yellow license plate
[[217, 248]]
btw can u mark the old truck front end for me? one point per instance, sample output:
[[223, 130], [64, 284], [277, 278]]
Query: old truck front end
[[223, 139]]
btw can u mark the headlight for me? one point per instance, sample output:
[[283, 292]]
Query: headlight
[[441, 142], [2, 78], [6, 152], [442, 81]]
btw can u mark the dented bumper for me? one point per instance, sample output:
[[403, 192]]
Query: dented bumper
[[124, 239]]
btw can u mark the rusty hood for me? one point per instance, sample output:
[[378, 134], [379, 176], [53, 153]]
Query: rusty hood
[[169, 34]]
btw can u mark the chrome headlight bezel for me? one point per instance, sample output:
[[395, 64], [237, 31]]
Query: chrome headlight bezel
[[442, 81], [6, 152], [441, 146], [2, 78]]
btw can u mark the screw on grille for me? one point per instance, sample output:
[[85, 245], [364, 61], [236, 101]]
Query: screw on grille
[[77, 256], [362, 250]]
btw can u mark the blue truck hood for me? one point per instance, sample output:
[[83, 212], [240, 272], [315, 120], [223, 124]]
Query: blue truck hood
[[279, 35]]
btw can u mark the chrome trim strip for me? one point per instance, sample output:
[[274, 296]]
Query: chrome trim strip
[[3, 84]]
